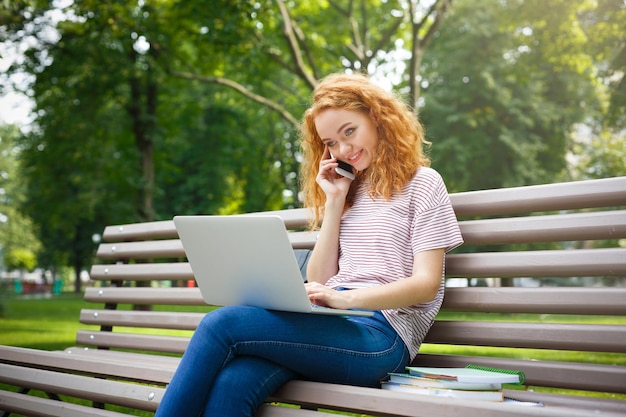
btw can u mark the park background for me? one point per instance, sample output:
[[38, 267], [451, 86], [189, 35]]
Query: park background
[[141, 110]]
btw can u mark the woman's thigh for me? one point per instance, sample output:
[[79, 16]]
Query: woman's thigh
[[356, 351]]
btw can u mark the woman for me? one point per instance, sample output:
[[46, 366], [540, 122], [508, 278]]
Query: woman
[[381, 247]]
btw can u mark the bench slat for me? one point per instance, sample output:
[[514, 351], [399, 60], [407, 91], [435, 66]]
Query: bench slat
[[151, 319], [165, 229], [78, 360], [100, 390], [606, 192], [267, 410], [576, 337], [166, 296], [142, 272], [552, 228], [110, 392], [145, 342], [567, 375], [169, 248], [31, 406], [572, 401], [540, 263], [173, 248], [543, 300], [548, 300], [389, 403], [145, 359]]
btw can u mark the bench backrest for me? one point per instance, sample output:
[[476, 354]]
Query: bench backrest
[[540, 236]]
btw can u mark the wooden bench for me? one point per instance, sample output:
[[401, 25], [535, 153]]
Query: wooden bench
[[130, 354]]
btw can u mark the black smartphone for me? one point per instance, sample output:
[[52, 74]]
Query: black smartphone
[[344, 169]]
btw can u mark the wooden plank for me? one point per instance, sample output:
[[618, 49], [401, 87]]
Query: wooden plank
[[576, 337], [31, 406], [387, 403], [130, 395], [164, 229], [138, 360], [293, 219], [267, 410], [571, 401], [556, 300], [169, 363], [303, 240], [545, 263], [151, 319], [607, 192], [142, 272], [173, 248], [540, 263], [591, 338], [549, 228], [159, 371], [169, 248], [543, 300], [297, 218], [566, 375], [141, 295], [143, 342]]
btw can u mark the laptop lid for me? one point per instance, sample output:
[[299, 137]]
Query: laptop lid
[[246, 260]]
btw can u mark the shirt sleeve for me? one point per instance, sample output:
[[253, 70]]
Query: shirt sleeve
[[435, 225]]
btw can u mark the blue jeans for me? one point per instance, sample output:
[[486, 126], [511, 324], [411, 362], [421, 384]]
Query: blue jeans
[[238, 356]]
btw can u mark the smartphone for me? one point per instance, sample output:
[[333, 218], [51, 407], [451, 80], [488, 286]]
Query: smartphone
[[344, 169]]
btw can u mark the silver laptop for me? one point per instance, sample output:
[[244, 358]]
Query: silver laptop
[[247, 260]]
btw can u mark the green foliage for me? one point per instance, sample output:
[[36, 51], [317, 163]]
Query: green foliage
[[507, 82], [600, 156], [20, 259], [18, 240]]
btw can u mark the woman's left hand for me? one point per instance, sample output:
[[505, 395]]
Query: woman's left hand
[[322, 295]]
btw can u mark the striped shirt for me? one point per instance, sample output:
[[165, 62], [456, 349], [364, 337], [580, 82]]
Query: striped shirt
[[379, 238]]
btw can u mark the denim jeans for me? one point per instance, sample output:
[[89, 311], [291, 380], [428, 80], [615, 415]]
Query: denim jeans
[[238, 356]]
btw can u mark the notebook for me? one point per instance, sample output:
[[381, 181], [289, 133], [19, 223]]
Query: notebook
[[247, 260]]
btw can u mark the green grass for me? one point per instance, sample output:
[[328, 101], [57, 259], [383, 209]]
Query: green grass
[[41, 323]]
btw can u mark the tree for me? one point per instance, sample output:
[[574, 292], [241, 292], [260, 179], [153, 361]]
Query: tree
[[304, 41], [597, 149], [505, 86], [17, 232]]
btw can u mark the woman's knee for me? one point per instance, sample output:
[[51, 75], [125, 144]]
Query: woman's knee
[[244, 384], [225, 318]]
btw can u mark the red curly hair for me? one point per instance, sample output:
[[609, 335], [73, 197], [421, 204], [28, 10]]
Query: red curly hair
[[399, 152]]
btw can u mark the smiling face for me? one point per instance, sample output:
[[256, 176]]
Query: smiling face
[[351, 136]]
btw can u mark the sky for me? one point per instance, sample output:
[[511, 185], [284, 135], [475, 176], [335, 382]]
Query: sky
[[15, 107]]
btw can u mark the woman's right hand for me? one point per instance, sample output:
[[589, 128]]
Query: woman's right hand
[[335, 186]]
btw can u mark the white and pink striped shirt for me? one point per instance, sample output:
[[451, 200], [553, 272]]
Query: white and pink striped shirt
[[379, 238]]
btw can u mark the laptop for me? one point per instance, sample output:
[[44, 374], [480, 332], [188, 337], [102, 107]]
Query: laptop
[[247, 260]]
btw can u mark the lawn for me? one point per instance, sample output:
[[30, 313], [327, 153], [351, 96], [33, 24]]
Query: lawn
[[40, 322]]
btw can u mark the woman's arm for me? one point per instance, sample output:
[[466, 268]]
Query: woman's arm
[[324, 260], [420, 287]]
